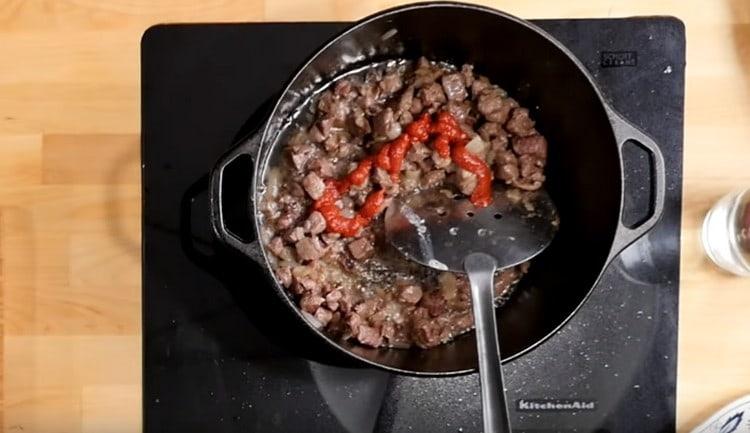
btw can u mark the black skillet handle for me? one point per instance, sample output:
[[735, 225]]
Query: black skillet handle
[[624, 132], [250, 248]]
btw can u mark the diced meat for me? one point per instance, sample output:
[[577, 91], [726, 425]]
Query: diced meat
[[461, 110], [332, 299], [321, 130], [358, 124], [520, 123], [276, 246], [315, 223], [531, 172], [433, 178], [454, 86], [368, 307], [354, 321], [479, 84], [426, 73], [391, 82], [309, 249], [494, 106], [284, 275], [310, 303], [300, 154], [305, 284], [427, 333], [346, 303], [532, 145], [323, 315], [369, 336], [323, 167], [378, 318], [345, 149], [491, 130], [336, 110], [530, 165], [361, 248], [410, 294], [432, 95], [368, 101], [434, 302], [296, 234], [314, 185], [385, 126], [289, 216], [508, 171]]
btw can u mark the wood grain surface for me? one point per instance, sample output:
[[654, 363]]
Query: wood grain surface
[[70, 196]]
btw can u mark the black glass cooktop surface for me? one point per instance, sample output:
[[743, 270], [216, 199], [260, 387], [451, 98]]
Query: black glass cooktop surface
[[218, 357]]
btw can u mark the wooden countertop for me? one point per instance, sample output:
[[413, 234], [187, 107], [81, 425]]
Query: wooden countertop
[[70, 196]]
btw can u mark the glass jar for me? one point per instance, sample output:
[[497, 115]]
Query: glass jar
[[726, 233]]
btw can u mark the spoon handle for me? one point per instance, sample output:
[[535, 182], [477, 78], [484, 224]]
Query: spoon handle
[[480, 268]]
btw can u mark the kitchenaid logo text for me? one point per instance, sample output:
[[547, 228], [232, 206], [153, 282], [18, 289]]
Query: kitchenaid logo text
[[555, 405], [614, 59]]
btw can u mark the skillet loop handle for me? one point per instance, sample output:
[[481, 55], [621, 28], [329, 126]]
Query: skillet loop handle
[[252, 248], [624, 132]]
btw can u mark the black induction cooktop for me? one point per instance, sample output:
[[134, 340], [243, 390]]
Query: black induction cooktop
[[219, 356]]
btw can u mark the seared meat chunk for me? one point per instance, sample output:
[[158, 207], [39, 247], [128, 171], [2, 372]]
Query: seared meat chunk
[[385, 126], [494, 105], [315, 223], [301, 154], [361, 248], [454, 86], [432, 95], [531, 145], [314, 185], [520, 123], [309, 248], [369, 336]]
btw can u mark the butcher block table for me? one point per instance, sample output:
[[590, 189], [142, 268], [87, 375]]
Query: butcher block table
[[70, 248]]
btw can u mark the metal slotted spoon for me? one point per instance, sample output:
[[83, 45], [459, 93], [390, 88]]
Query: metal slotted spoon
[[446, 232]]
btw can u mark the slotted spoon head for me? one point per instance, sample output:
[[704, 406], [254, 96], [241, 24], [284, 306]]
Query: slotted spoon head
[[437, 229]]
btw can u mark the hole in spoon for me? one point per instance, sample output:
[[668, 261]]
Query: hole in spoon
[[497, 216], [470, 214]]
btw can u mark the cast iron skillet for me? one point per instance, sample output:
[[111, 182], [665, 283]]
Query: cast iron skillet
[[584, 172]]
